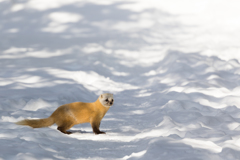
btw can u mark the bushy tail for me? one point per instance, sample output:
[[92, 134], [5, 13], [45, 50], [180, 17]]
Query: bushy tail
[[37, 123]]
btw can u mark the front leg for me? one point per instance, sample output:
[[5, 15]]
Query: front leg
[[95, 126]]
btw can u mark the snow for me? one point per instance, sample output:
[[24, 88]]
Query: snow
[[173, 67]]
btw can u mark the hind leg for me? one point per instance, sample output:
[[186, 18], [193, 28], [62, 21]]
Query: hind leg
[[64, 127]]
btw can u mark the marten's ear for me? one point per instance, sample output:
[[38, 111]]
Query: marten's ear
[[101, 96]]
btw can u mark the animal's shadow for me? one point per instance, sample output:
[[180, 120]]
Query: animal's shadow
[[79, 131], [82, 131]]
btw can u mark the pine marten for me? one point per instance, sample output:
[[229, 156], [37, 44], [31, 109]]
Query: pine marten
[[71, 114]]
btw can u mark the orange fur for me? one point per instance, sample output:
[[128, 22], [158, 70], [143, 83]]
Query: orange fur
[[71, 114]]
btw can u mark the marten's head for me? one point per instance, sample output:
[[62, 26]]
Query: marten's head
[[106, 99]]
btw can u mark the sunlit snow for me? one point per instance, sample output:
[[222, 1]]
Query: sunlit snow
[[173, 67]]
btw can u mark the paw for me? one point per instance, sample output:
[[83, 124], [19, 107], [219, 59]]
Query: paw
[[100, 132]]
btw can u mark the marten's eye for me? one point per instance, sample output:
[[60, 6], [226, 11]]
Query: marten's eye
[[106, 100]]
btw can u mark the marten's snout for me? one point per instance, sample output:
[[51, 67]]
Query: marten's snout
[[111, 102]]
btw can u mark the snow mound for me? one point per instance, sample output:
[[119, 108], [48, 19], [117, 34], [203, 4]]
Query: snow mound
[[173, 67]]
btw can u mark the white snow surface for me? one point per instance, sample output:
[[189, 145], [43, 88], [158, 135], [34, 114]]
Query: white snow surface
[[173, 67]]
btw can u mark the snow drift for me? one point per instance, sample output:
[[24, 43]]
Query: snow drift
[[173, 68]]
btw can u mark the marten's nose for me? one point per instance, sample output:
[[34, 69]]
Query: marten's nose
[[111, 102]]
